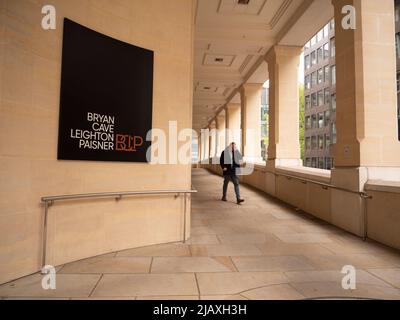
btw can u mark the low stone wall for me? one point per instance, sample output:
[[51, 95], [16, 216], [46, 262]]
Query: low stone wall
[[383, 212]]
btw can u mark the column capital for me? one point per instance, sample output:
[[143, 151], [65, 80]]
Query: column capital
[[232, 106], [279, 51], [212, 124], [250, 87], [221, 114]]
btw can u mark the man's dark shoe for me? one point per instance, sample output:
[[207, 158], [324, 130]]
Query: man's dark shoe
[[239, 201], [224, 199]]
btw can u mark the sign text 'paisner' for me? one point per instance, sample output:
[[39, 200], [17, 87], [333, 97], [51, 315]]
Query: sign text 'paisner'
[[101, 136]]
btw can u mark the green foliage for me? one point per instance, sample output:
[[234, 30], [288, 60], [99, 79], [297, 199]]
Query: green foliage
[[265, 133]]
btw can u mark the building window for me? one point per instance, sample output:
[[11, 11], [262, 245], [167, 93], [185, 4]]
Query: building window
[[327, 141], [333, 133], [327, 79], [314, 100], [314, 162], [398, 82], [307, 103], [313, 79], [313, 142], [333, 102], [307, 62], [308, 162], [308, 122], [333, 48], [332, 24], [313, 40], [328, 163], [327, 96], [326, 31], [320, 98], [314, 123], [321, 164], [320, 55], [313, 58], [333, 75], [307, 82], [320, 35], [321, 142], [320, 120], [308, 143], [326, 50], [398, 45], [327, 116], [320, 76]]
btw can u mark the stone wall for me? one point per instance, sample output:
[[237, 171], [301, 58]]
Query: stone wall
[[30, 60]]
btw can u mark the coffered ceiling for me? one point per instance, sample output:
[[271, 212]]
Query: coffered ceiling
[[231, 38]]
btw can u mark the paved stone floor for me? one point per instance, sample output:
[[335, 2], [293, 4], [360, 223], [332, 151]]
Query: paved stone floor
[[260, 250]]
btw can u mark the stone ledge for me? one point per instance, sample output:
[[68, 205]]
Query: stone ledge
[[383, 186], [318, 175], [260, 167]]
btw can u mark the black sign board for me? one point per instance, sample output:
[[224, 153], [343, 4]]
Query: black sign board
[[106, 97]]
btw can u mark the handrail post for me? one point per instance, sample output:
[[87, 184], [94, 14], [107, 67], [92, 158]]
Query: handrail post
[[184, 218], [44, 240]]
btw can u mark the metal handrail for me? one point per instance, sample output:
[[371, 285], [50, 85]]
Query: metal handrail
[[322, 184], [49, 201], [117, 195]]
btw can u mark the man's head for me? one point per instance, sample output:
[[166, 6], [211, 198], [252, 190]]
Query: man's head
[[233, 146]]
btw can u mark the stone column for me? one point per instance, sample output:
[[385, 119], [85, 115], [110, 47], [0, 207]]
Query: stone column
[[367, 146], [232, 121], [250, 95], [206, 152], [213, 139], [209, 142], [284, 145], [366, 87], [204, 141], [199, 148], [221, 120]]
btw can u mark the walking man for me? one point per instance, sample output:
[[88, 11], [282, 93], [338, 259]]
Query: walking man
[[230, 163]]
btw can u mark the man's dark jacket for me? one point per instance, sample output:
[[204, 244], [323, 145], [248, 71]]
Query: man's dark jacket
[[226, 162]]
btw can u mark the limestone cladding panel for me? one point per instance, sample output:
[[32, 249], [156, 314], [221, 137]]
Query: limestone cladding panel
[[30, 70]]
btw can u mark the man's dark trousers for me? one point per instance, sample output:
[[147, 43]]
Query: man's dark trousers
[[235, 180], [229, 162]]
